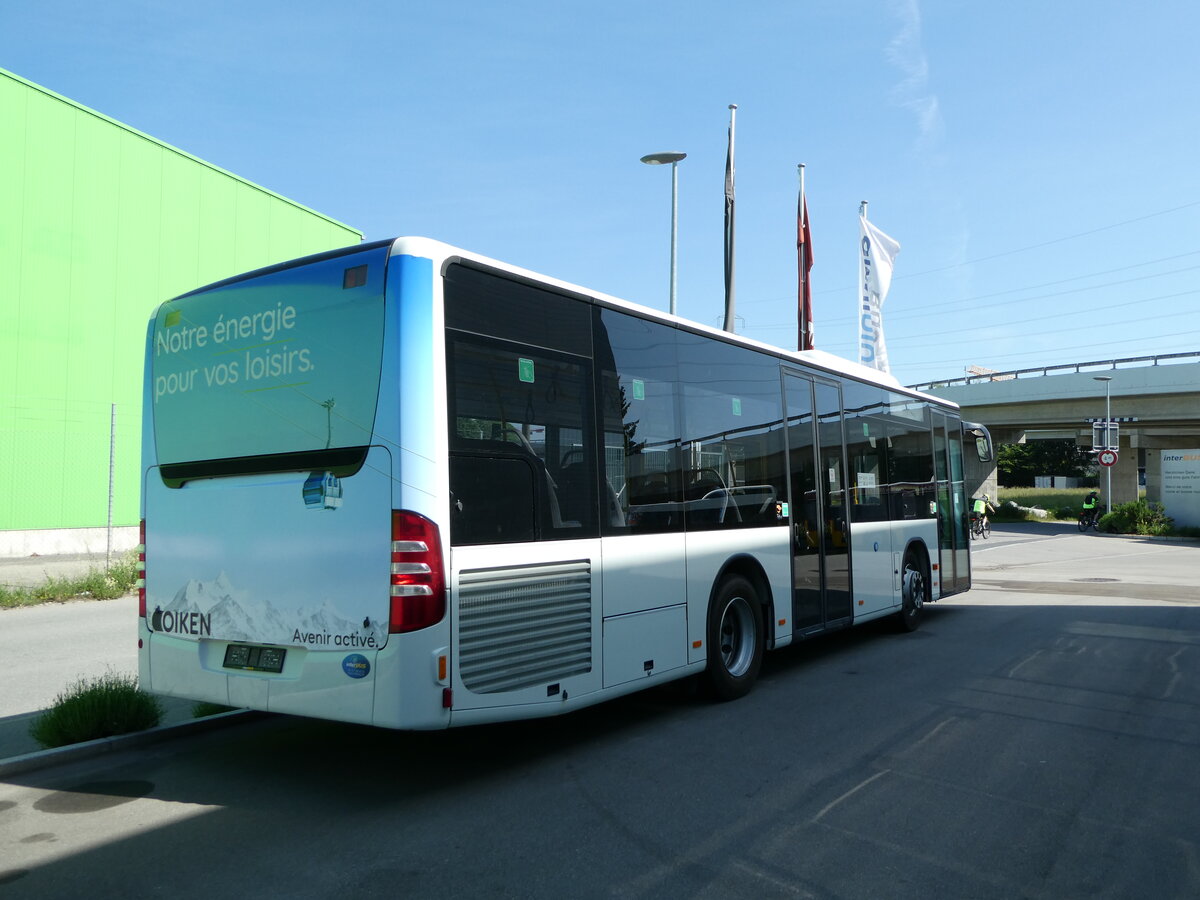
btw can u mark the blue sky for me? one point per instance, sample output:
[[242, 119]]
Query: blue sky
[[1036, 161]]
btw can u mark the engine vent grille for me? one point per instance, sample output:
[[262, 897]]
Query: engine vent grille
[[521, 626]]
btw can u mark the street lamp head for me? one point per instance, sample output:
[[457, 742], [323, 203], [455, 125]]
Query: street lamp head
[[1101, 378], [661, 159]]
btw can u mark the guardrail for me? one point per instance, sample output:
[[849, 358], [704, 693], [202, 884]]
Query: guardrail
[[1067, 368]]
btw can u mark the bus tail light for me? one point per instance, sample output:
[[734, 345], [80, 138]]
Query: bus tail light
[[418, 579], [141, 569]]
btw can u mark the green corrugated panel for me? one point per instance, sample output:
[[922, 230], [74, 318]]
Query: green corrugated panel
[[99, 224]]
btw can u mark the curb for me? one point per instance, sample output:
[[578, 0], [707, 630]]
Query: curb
[[44, 759]]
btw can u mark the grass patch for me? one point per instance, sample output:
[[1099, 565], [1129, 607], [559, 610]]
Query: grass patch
[[1059, 503], [96, 708], [99, 584], [1064, 504]]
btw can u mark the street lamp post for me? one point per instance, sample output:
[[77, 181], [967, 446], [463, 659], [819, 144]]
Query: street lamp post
[[1107, 379], [659, 159]]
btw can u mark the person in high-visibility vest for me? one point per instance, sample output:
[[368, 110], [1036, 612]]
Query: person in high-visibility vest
[[983, 505], [1089, 504]]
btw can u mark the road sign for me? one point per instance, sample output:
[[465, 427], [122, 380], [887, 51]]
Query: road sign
[[1107, 457], [1106, 434]]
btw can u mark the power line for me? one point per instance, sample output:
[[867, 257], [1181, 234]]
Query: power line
[[1069, 237], [1049, 243], [909, 313], [1079, 347], [1069, 313], [904, 342]]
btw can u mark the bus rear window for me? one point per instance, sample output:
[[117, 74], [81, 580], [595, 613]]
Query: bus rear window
[[281, 363]]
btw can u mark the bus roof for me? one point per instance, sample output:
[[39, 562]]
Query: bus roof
[[442, 252], [412, 245]]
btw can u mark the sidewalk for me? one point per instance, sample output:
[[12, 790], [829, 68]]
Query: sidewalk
[[46, 648]]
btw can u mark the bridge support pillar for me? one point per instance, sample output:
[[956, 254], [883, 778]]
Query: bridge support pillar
[[1124, 475], [979, 478]]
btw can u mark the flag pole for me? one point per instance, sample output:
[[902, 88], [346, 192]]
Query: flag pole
[[729, 227], [862, 208]]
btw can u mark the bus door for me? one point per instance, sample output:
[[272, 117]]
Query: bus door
[[951, 502], [817, 499]]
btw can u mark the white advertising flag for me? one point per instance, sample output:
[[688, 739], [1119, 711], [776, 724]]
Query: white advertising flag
[[877, 252]]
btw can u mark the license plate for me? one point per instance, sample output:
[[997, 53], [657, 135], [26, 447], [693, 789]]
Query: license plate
[[254, 659]]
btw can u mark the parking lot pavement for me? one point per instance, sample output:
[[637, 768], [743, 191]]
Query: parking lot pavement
[[46, 648]]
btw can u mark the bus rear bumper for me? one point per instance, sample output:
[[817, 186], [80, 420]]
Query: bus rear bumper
[[341, 685]]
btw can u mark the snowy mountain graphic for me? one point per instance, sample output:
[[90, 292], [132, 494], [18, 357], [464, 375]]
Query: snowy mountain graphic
[[233, 615]]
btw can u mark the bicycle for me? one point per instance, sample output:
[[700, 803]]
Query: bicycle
[[981, 527], [1089, 518]]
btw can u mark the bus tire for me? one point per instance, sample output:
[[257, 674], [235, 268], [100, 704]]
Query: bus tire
[[736, 639], [914, 593]]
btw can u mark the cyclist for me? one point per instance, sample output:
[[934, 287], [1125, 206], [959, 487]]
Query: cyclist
[[1090, 504], [983, 505]]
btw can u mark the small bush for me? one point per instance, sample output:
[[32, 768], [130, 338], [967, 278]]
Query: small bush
[[96, 708], [1138, 517]]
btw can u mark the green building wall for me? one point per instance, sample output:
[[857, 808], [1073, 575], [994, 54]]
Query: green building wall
[[98, 224]]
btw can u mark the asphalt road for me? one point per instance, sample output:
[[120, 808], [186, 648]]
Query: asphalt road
[[56, 644], [1035, 738]]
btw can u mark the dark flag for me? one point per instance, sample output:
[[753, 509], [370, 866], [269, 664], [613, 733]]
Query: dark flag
[[804, 259], [729, 301]]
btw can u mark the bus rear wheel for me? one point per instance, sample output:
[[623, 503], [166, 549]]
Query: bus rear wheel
[[735, 639]]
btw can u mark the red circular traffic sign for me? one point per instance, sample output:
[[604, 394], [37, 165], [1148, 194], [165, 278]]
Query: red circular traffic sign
[[1108, 457]]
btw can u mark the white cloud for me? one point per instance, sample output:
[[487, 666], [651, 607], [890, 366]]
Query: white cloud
[[907, 54]]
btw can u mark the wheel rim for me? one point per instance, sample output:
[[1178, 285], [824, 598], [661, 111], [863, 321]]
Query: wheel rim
[[737, 637]]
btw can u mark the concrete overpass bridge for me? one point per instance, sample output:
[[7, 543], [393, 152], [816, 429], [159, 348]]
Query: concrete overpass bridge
[[1156, 399]]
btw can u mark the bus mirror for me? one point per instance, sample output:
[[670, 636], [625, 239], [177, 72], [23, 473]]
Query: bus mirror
[[983, 440], [983, 447]]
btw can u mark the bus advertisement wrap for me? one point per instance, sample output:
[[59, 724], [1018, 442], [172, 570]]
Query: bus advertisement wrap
[[311, 585], [279, 363]]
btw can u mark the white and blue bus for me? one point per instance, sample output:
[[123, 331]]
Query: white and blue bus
[[406, 485]]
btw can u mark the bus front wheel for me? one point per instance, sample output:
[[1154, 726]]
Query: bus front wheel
[[735, 639], [914, 593]]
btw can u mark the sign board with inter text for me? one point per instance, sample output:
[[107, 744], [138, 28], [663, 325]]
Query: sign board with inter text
[[1181, 486]]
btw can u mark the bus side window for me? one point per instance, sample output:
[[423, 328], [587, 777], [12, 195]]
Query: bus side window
[[493, 500], [735, 466], [521, 443]]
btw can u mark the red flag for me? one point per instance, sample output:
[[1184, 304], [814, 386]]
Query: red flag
[[804, 259]]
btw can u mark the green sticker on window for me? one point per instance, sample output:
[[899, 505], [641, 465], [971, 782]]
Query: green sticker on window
[[737, 406], [639, 389], [525, 370]]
